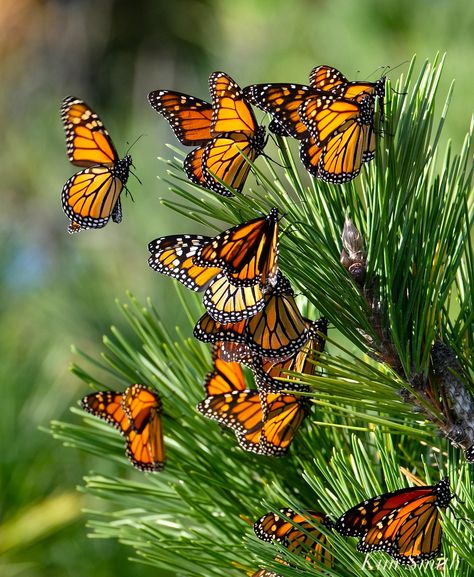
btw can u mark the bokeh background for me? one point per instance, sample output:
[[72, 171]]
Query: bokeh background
[[57, 289]]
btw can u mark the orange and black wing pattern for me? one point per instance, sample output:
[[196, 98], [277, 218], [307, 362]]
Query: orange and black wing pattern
[[87, 140], [236, 137], [283, 414], [282, 102], [136, 413], [304, 361], [225, 377], [247, 253], [230, 402], [404, 523], [331, 80], [173, 256], [278, 330], [344, 130], [229, 303], [145, 441], [299, 533], [92, 196], [189, 117]]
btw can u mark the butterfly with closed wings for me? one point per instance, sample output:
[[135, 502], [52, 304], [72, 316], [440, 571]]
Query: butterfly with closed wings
[[92, 196]]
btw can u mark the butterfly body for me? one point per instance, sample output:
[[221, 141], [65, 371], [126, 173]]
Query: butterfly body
[[404, 523], [92, 196], [136, 413]]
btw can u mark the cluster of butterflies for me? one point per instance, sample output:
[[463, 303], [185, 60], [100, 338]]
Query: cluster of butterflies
[[251, 315], [332, 118], [404, 523], [252, 319]]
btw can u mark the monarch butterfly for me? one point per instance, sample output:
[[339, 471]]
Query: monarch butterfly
[[298, 533], [136, 413], [276, 332], [266, 428], [92, 196], [248, 252], [224, 132], [404, 523], [303, 361], [225, 302], [344, 128]]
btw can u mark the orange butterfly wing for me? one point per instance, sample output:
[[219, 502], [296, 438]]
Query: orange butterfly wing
[[173, 256], [92, 196], [87, 139], [282, 416], [248, 252], [189, 117], [146, 448], [282, 102], [107, 405], [291, 529], [231, 113]]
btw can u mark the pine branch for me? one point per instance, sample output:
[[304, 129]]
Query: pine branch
[[397, 282]]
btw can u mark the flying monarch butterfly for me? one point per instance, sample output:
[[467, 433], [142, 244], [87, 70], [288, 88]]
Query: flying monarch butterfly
[[276, 332], [248, 252], [225, 302], [404, 523], [136, 413], [299, 533], [224, 132], [92, 196], [265, 428], [303, 361]]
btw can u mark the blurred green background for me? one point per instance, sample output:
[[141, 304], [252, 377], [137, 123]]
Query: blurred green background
[[59, 289]]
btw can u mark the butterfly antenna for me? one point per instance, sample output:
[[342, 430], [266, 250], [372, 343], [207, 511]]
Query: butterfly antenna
[[130, 146]]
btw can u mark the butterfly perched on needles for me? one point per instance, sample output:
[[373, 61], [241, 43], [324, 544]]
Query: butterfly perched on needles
[[92, 196], [299, 533], [232, 268], [338, 156], [136, 413], [276, 332], [303, 361], [263, 423], [404, 523], [224, 132]]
